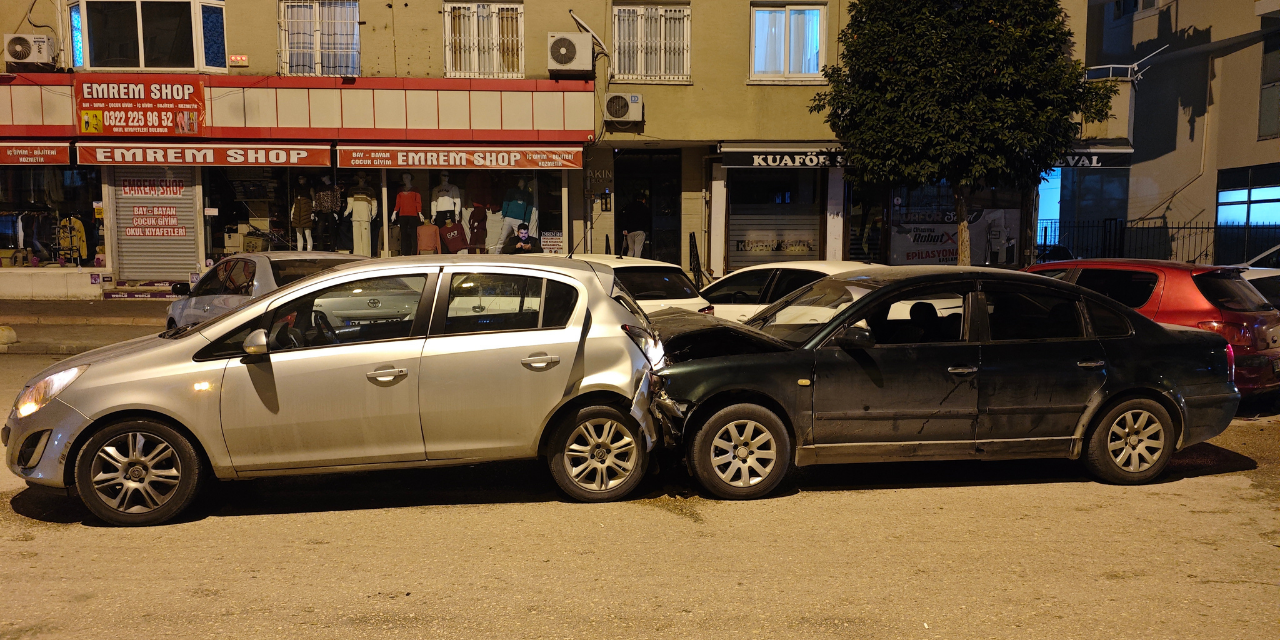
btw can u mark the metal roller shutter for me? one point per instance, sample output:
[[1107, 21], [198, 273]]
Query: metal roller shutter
[[155, 257]]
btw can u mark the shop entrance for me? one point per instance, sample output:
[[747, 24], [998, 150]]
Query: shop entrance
[[156, 234], [647, 199]]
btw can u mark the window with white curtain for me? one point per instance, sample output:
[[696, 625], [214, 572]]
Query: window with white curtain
[[483, 40], [159, 35], [651, 43], [320, 37], [787, 41]]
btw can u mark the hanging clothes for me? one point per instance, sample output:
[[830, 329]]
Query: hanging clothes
[[71, 239]]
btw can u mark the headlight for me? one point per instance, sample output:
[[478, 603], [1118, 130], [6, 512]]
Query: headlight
[[649, 345], [40, 393]]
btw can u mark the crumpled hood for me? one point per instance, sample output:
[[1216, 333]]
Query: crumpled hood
[[688, 335]]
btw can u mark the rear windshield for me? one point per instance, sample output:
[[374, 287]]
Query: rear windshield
[[293, 269], [656, 283], [1228, 291]]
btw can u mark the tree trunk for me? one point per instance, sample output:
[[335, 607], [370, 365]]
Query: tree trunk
[[962, 225]]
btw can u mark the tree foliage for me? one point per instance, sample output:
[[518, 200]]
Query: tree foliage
[[973, 92]]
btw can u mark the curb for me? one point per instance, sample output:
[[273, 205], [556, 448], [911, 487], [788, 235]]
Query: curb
[[83, 320], [42, 349]]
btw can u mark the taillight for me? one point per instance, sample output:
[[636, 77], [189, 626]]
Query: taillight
[[1231, 364], [709, 310], [1236, 334], [649, 345]]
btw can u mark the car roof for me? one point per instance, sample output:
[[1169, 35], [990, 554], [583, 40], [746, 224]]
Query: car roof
[[887, 274], [617, 262], [1168, 265], [296, 255], [829, 267], [546, 261]]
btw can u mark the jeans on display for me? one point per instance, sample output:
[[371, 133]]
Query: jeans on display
[[509, 228]]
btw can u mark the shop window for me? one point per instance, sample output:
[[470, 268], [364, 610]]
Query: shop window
[[320, 37], [775, 215], [787, 42], [483, 40], [651, 43], [47, 215], [178, 35]]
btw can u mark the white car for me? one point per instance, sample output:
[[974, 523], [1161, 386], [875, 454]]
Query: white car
[[743, 293], [243, 277], [1265, 279], [655, 285]]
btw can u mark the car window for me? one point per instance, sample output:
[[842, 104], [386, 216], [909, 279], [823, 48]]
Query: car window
[[656, 283], [1130, 288], [1269, 287], [1227, 290], [739, 288], [1017, 312], [481, 302], [240, 278], [560, 302], [789, 280], [923, 316], [230, 345], [288, 271], [360, 311], [797, 318], [1106, 322], [214, 281]]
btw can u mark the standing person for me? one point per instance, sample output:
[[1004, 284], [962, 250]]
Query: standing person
[[522, 242], [633, 221]]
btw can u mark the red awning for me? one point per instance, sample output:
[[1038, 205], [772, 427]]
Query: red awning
[[230, 155], [31, 153], [459, 157]]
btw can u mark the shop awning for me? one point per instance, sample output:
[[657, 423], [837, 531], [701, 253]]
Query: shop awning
[[785, 155], [229, 155], [31, 153], [1098, 157], [458, 157]]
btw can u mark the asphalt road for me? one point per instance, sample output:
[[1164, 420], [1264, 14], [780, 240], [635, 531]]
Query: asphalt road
[[1029, 550]]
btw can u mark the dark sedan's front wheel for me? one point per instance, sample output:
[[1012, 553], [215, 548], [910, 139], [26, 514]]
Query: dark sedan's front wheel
[[138, 473], [742, 452], [1132, 443]]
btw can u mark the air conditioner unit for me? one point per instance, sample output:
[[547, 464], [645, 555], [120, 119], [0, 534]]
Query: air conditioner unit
[[623, 107], [25, 47], [569, 52]]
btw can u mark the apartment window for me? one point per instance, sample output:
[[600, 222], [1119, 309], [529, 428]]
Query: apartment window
[[787, 42], [320, 37], [483, 40], [651, 43], [148, 34], [1269, 94]]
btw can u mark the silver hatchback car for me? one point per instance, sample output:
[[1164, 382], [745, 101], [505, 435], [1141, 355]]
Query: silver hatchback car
[[402, 362]]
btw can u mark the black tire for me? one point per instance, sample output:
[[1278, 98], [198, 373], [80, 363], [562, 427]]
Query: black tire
[[172, 324], [735, 473], [1131, 452], [156, 486], [586, 445]]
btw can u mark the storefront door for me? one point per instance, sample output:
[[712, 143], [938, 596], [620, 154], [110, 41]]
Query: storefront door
[[648, 200], [155, 222]]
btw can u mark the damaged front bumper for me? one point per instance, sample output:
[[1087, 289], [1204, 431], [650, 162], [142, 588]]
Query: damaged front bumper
[[668, 414]]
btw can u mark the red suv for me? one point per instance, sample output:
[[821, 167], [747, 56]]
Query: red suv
[[1214, 298]]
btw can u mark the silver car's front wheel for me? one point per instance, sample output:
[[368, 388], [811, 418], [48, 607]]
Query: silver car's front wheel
[[137, 473], [598, 456]]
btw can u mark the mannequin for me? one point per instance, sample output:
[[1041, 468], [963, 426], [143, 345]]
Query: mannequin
[[361, 208], [446, 201], [327, 206], [302, 215], [516, 207], [453, 236], [479, 195], [407, 213]]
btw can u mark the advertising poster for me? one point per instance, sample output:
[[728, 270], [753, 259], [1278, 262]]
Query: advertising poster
[[133, 104], [993, 238]]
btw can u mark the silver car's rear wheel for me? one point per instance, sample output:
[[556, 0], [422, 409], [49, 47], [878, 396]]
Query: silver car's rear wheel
[[598, 456], [743, 453], [137, 473]]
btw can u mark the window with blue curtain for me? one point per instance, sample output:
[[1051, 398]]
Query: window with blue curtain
[[787, 41], [148, 34], [77, 37], [215, 36]]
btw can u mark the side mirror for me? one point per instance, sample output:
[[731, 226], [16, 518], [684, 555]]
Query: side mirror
[[855, 338], [256, 343], [181, 289]]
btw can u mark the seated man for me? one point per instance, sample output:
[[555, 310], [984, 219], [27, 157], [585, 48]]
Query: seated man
[[522, 242]]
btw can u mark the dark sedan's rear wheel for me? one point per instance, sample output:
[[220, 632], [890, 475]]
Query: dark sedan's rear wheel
[[742, 452], [598, 456], [138, 473], [1132, 443]]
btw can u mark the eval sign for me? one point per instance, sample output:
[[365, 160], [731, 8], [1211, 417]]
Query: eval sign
[[135, 104]]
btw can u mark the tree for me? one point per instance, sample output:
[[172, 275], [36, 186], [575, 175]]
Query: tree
[[976, 93]]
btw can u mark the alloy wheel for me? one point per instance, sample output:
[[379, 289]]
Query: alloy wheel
[[743, 453], [1136, 440], [600, 454], [135, 472]]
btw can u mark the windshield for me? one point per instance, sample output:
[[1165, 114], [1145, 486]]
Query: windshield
[[1227, 290], [797, 317], [656, 283], [294, 269]]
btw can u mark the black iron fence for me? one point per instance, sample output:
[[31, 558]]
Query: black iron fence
[[1205, 243]]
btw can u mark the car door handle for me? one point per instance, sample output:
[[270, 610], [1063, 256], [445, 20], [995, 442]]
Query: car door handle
[[962, 370], [1091, 364], [540, 363], [386, 375]]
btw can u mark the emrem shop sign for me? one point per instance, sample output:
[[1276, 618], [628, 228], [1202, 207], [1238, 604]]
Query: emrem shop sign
[[139, 104], [204, 154], [444, 157]]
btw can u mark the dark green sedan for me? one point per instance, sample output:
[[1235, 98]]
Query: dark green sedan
[[937, 363]]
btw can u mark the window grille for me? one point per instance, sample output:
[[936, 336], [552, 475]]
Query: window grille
[[651, 43], [484, 40], [320, 37]]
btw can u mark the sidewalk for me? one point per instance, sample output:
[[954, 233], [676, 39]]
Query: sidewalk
[[52, 339], [149, 313]]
